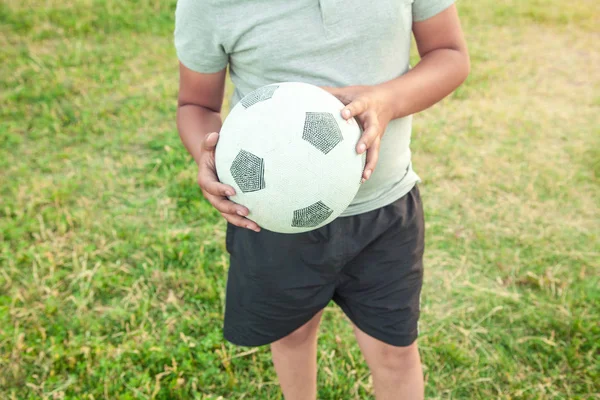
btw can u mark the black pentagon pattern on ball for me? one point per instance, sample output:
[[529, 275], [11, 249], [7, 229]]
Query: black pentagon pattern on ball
[[248, 171], [311, 216], [258, 95], [322, 131]]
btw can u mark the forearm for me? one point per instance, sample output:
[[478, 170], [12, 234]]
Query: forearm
[[437, 75], [193, 123]]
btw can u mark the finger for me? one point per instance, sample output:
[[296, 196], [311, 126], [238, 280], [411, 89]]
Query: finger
[[241, 222], [216, 188], [210, 141], [371, 132], [226, 206], [372, 158], [354, 108], [209, 181]]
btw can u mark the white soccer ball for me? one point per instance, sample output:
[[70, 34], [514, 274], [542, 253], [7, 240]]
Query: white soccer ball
[[290, 157]]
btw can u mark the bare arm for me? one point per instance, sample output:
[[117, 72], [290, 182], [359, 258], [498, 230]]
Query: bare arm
[[443, 67], [198, 107], [198, 121]]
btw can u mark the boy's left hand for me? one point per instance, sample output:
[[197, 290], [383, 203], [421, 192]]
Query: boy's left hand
[[371, 109]]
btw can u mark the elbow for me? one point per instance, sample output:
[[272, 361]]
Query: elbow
[[185, 104], [465, 66]]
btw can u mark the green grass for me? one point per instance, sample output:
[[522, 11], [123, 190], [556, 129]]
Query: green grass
[[113, 267]]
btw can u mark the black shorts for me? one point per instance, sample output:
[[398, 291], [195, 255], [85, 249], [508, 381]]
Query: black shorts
[[369, 264]]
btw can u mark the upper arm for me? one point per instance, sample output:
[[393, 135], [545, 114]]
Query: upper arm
[[201, 89], [441, 31], [202, 59]]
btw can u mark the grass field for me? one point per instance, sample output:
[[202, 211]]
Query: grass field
[[113, 266]]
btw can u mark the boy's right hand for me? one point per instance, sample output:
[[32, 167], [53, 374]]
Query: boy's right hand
[[216, 192]]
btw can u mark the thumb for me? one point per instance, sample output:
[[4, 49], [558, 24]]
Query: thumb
[[210, 141], [354, 108]]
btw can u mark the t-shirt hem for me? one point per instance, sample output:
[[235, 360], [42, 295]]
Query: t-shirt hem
[[382, 201]]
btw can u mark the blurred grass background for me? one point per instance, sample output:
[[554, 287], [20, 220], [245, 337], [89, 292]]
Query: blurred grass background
[[113, 267]]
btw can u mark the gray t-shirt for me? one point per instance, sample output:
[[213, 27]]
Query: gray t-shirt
[[322, 42]]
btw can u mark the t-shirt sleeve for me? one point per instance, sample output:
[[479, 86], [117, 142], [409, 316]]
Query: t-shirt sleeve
[[196, 37], [425, 9]]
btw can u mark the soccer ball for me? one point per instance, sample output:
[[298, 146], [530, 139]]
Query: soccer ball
[[290, 156]]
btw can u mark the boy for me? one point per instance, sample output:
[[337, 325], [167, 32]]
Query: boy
[[369, 261]]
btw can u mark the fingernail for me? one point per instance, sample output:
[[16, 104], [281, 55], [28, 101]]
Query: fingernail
[[241, 213], [346, 113], [230, 193], [361, 148], [368, 174]]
